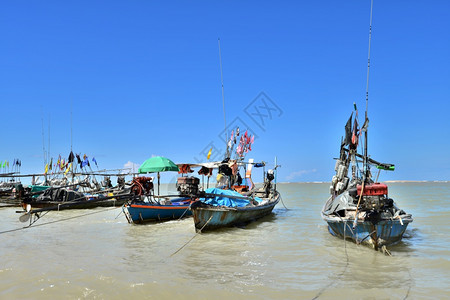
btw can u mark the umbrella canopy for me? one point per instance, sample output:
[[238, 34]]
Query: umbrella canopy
[[158, 164]]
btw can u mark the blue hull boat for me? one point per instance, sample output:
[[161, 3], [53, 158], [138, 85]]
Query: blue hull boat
[[385, 232], [143, 212]]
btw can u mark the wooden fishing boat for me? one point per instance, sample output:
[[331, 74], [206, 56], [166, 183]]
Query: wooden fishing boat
[[366, 217], [65, 198], [213, 215], [139, 212], [148, 207], [359, 206], [233, 203]]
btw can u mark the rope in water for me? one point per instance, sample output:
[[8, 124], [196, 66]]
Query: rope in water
[[197, 233], [281, 198], [343, 272]]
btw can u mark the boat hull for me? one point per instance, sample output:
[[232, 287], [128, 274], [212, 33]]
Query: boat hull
[[212, 217], [383, 233], [80, 204], [140, 213]]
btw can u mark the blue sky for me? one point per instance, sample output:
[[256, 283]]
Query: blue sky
[[143, 79]]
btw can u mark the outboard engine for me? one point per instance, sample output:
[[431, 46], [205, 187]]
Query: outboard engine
[[188, 185], [106, 183], [268, 182], [121, 182]]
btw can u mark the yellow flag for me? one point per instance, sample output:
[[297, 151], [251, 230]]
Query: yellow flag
[[46, 169], [68, 168], [209, 154]]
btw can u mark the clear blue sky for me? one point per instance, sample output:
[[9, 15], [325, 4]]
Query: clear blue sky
[[144, 79]]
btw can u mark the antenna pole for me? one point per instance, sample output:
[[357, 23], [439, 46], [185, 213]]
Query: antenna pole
[[43, 144], [48, 150], [223, 97], [71, 125], [367, 96]]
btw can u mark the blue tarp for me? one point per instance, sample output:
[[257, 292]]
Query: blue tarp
[[225, 201]]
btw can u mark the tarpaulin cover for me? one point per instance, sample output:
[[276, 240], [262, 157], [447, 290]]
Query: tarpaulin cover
[[225, 201]]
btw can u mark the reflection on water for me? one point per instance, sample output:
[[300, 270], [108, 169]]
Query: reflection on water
[[286, 255]]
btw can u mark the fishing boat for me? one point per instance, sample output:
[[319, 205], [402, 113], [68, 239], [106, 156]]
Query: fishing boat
[[148, 207], [360, 207], [226, 208], [232, 203], [67, 198]]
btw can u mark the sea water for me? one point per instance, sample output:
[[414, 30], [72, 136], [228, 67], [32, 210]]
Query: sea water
[[96, 254]]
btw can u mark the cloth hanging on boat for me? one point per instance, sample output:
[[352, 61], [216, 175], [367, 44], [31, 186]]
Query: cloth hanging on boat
[[205, 171], [184, 169], [233, 166]]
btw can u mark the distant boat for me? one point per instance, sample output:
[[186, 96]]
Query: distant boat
[[359, 207]]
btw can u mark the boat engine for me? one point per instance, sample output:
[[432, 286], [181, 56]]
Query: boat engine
[[188, 185], [374, 196]]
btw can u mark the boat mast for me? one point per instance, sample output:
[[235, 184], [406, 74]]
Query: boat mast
[[366, 120], [43, 143], [223, 99]]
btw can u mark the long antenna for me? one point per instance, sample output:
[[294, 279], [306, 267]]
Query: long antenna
[[368, 57], [367, 96], [48, 150], [223, 97], [71, 101], [43, 138]]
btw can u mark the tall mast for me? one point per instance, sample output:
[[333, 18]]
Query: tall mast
[[43, 143], [366, 120], [223, 98], [48, 149], [71, 125]]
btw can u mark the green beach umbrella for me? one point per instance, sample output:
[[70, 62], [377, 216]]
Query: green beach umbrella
[[157, 164]]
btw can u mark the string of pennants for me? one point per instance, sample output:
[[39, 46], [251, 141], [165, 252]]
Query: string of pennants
[[72, 162]]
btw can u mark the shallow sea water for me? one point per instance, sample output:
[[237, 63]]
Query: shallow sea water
[[96, 254]]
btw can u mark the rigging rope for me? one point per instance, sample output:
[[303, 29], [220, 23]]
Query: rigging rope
[[57, 221]]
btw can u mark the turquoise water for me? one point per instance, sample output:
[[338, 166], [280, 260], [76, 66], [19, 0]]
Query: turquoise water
[[96, 254]]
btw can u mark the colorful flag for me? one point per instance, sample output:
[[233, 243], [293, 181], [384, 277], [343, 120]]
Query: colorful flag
[[46, 169], [209, 154], [85, 162], [71, 157], [68, 168], [94, 160]]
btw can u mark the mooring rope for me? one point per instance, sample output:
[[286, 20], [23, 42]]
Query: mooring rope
[[197, 233], [281, 198], [343, 272], [183, 214]]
